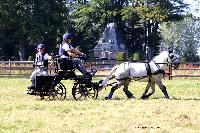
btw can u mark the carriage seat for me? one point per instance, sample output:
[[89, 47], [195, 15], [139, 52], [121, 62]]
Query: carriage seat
[[66, 65], [42, 80]]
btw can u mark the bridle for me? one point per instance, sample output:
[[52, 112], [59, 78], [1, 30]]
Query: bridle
[[172, 59]]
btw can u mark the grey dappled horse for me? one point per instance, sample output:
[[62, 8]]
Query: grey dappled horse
[[144, 72]]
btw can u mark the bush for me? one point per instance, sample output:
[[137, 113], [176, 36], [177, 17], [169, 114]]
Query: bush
[[121, 56], [30, 58], [136, 56]]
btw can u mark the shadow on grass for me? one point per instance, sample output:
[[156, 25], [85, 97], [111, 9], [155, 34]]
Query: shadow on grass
[[179, 98], [153, 98], [120, 98], [176, 98]]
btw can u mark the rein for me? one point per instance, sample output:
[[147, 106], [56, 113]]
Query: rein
[[172, 60]]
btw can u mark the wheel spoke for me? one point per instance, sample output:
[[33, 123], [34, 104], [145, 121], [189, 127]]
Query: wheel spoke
[[79, 97], [88, 96], [59, 97], [84, 91], [77, 92], [90, 89], [91, 94], [58, 91]]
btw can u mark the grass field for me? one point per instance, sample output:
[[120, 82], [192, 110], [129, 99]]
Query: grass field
[[23, 113]]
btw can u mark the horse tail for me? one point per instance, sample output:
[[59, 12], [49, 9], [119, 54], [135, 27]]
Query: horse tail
[[107, 78]]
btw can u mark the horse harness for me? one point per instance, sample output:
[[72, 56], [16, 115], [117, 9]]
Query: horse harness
[[172, 58], [149, 72]]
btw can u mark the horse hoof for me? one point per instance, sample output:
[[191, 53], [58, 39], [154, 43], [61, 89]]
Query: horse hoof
[[131, 97], [144, 98], [100, 82], [31, 92], [166, 97], [108, 98]]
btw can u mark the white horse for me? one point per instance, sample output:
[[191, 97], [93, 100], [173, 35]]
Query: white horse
[[150, 72]]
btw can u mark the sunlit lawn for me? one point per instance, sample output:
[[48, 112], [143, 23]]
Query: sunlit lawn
[[20, 112]]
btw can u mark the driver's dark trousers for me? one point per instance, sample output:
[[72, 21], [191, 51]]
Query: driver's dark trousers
[[80, 67]]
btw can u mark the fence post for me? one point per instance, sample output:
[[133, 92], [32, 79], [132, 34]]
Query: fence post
[[9, 65], [170, 71]]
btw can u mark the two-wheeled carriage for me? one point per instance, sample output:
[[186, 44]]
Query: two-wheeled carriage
[[50, 86]]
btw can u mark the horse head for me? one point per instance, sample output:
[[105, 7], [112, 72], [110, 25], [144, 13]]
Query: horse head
[[173, 59], [167, 57]]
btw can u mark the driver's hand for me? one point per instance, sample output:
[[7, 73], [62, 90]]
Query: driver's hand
[[84, 56], [51, 54], [50, 57]]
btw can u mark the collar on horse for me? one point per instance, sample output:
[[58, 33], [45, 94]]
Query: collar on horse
[[148, 69]]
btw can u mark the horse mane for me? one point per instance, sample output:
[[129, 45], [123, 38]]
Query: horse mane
[[162, 55]]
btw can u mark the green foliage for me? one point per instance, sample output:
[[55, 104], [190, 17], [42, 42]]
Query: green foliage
[[183, 37], [136, 57], [121, 56], [24, 23], [147, 16]]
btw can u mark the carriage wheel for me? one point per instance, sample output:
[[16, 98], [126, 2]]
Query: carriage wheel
[[84, 91], [43, 95], [57, 92]]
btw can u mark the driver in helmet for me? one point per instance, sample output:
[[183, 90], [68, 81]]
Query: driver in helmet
[[40, 65], [67, 51]]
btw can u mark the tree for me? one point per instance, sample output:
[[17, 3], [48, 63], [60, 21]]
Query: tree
[[90, 19], [183, 37], [8, 27], [49, 22], [151, 13], [26, 23]]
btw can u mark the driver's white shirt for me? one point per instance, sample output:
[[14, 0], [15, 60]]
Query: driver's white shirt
[[66, 47]]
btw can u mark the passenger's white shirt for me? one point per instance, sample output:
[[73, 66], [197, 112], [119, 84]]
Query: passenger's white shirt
[[39, 60], [66, 47]]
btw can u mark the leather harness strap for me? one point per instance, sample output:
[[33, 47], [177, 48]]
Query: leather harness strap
[[148, 69]]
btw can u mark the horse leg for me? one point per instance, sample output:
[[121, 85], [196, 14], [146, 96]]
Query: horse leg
[[144, 96], [163, 88], [152, 85], [114, 87], [126, 91]]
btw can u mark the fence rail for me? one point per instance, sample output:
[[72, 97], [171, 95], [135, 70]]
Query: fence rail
[[23, 69]]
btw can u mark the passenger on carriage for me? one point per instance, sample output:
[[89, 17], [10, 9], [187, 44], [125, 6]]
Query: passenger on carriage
[[40, 65], [67, 52]]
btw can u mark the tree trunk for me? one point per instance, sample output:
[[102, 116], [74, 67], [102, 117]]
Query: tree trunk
[[149, 40], [21, 50]]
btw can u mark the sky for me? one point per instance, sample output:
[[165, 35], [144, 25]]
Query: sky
[[194, 6]]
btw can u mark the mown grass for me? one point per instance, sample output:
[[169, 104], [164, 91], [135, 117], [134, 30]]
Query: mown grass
[[20, 112]]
